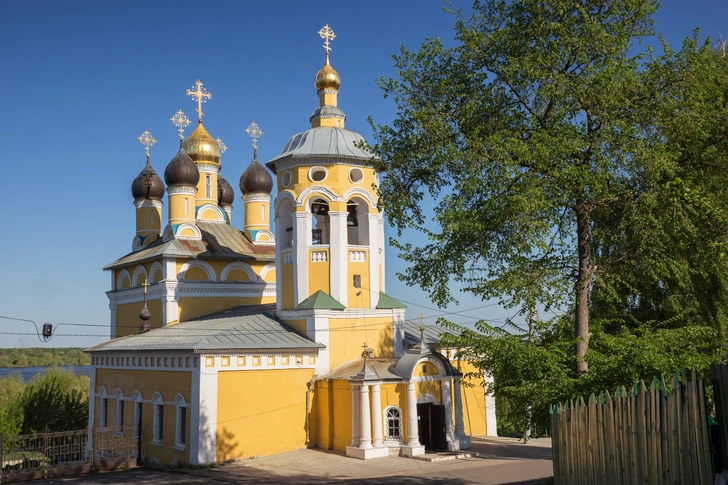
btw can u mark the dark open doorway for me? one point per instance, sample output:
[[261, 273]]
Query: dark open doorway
[[431, 426]]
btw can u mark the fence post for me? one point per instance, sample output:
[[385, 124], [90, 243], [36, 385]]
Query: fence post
[[93, 448]]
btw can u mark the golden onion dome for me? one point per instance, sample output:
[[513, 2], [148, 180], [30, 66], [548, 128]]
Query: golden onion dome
[[327, 77], [201, 147]]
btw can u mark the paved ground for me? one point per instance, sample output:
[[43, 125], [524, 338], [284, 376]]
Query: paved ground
[[500, 461]]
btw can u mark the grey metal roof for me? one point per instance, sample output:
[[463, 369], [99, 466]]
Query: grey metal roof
[[432, 333], [219, 241], [237, 329], [382, 368], [322, 142]]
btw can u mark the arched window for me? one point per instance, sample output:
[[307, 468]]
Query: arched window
[[137, 398], [357, 222], [208, 186], [119, 411], [180, 429], [158, 434], [392, 423], [320, 222]]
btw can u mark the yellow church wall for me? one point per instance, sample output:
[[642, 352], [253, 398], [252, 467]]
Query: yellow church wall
[[127, 317], [287, 281], [358, 297], [195, 274], [331, 415], [298, 325], [425, 369], [148, 220], [237, 275], [202, 197], [318, 273], [193, 307], [148, 382], [249, 405], [473, 393], [337, 180], [347, 335], [257, 215], [429, 387], [270, 276], [177, 213], [395, 395]]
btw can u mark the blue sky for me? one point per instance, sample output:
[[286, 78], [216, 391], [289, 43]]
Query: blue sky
[[82, 80]]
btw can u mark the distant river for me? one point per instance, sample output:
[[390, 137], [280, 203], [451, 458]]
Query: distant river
[[27, 373]]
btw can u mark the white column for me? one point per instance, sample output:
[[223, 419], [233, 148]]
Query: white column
[[112, 331], [203, 419], [169, 301], [376, 416], [491, 423], [339, 249], [447, 402], [366, 424], [301, 242], [374, 259], [459, 424], [355, 436], [281, 242], [413, 438], [382, 245]]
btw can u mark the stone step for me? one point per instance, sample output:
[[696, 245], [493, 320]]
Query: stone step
[[446, 455]]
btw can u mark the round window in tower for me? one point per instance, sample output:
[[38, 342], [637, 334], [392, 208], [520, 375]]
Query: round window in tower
[[356, 175], [317, 174], [286, 178]]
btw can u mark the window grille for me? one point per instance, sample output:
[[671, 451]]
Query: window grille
[[393, 420]]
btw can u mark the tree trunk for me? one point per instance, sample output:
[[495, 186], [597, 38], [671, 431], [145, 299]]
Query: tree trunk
[[583, 285]]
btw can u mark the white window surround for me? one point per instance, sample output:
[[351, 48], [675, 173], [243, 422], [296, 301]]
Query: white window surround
[[356, 176], [104, 414], [393, 425], [119, 412], [158, 424], [286, 178], [313, 174], [180, 427], [208, 186], [137, 398]]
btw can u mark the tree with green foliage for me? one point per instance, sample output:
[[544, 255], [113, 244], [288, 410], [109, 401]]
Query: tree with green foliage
[[55, 401], [11, 409], [569, 171]]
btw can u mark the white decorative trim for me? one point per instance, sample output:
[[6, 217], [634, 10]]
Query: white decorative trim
[[181, 189], [188, 225], [252, 277], [317, 168], [349, 313], [266, 269], [208, 167], [319, 256], [204, 419], [271, 242], [357, 256], [197, 263], [361, 192], [290, 178], [362, 175], [215, 289], [120, 278], [170, 291], [427, 397], [327, 91], [213, 208], [388, 440], [136, 243], [285, 195], [139, 203], [156, 266], [256, 197], [139, 271], [287, 257], [317, 189]]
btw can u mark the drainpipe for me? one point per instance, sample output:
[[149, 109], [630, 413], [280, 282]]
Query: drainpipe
[[308, 409]]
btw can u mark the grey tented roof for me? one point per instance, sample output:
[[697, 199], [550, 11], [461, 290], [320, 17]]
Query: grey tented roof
[[382, 368], [322, 142], [237, 329], [219, 241]]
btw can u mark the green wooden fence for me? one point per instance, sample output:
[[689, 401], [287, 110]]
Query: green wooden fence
[[640, 435]]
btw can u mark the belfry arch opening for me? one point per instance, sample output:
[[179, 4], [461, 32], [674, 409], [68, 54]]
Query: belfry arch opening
[[320, 222], [285, 219], [357, 222]]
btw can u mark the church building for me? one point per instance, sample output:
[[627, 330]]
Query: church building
[[229, 343]]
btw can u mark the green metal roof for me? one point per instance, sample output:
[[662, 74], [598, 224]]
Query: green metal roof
[[386, 302], [320, 301]]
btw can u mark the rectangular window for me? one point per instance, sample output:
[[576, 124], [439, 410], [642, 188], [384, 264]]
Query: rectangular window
[[187, 206], [159, 422], [181, 425], [119, 416], [137, 418], [208, 186], [104, 413], [357, 281]]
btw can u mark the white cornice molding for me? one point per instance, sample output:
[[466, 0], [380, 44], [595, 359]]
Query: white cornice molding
[[181, 189], [348, 313], [208, 168], [317, 160], [160, 290], [256, 197], [139, 203]]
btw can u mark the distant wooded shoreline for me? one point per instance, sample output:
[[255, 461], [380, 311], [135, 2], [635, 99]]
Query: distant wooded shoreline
[[43, 357]]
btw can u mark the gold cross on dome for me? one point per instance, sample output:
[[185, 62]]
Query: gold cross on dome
[[223, 147], [422, 325], [201, 96], [328, 35], [145, 284], [255, 132], [181, 121], [147, 140]]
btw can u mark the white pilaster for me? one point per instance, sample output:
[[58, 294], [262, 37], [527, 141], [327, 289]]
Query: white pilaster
[[382, 244], [339, 249], [452, 443], [355, 436], [170, 302], [491, 425], [398, 334], [459, 424], [112, 318], [317, 329], [376, 416], [203, 419], [374, 247], [281, 242], [301, 242], [365, 422]]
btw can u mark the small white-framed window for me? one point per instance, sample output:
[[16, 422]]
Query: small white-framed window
[[392, 423], [208, 186], [356, 175], [286, 178], [158, 434], [119, 412], [317, 174], [180, 429], [262, 211], [104, 413], [187, 206]]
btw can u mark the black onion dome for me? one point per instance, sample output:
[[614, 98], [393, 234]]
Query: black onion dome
[[256, 178], [181, 170], [147, 185], [225, 193]]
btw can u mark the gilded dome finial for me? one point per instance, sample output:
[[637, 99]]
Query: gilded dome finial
[[181, 121], [223, 147], [148, 141], [255, 132], [327, 77], [200, 95], [328, 35]]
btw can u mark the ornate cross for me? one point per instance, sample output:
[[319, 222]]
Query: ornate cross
[[223, 147], [181, 121], [328, 35], [145, 284], [147, 140], [255, 132], [201, 96], [422, 325]]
